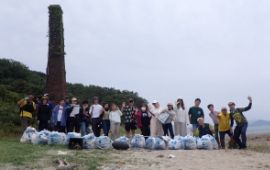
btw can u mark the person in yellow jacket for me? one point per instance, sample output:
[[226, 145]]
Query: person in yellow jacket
[[27, 109], [224, 126]]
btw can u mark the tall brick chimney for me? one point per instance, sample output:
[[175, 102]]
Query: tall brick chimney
[[56, 73]]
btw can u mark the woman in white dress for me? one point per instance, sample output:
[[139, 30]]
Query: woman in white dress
[[155, 125], [181, 118]]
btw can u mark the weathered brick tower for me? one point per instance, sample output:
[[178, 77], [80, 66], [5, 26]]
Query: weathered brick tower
[[56, 73]]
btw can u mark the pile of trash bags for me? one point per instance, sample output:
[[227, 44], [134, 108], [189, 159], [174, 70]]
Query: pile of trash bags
[[32, 136]]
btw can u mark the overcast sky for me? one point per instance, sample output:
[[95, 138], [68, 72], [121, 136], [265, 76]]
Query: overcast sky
[[215, 50]]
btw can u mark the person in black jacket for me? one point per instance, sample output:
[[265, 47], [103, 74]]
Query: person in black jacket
[[44, 115], [84, 118], [204, 128]]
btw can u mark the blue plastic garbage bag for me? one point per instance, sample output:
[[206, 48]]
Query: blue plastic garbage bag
[[190, 143], [138, 141], [103, 142], [89, 141], [27, 135], [39, 138], [56, 138]]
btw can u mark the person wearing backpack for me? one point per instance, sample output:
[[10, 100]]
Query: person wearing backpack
[[241, 123], [27, 109]]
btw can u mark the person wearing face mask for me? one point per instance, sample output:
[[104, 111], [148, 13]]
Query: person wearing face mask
[[155, 125], [145, 118]]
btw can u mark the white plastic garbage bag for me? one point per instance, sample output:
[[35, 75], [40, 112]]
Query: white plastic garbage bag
[[174, 144], [27, 135], [71, 135], [190, 143], [89, 141], [138, 141], [181, 140], [56, 138], [212, 140], [150, 143], [103, 142], [160, 144], [155, 143], [39, 138]]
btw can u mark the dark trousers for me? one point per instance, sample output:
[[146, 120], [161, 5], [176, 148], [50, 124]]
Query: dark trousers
[[241, 131], [145, 131], [222, 137], [217, 134], [168, 128], [74, 123], [43, 124], [96, 122], [59, 127], [106, 125], [26, 121]]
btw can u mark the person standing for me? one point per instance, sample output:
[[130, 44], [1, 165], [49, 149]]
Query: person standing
[[59, 117], [181, 118], [115, 119], [44, 115], [85, 118], [224, 126], [96, 110], [194, 113], [241, 123], [155, 110], [106, 120], [129, 118], [74, 117], [214, 116], [27, 109], [145, 121], [167, 126]]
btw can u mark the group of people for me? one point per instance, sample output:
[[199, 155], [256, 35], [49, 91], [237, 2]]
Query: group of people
[[151, 119]]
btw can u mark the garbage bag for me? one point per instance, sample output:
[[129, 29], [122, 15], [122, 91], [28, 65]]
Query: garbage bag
[[56, 138], [119, 145], [190, 142], [138, 141], [155, 143], [199, 143], [181, 141], [212, 140], [89, 141], [27, 135], [122, 139], [45, 132], [71, 135], [103, 142], [39, 138], [174, 144]]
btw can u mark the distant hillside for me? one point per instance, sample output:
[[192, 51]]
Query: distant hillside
[[260, 123], [16, 80]]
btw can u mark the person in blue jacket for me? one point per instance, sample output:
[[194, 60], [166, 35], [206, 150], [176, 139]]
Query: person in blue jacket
[[59, 117]]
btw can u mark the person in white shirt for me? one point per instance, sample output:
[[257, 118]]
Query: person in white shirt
[[156, 128], [115, 118], [181, 118], [74, 119], [96, 110]]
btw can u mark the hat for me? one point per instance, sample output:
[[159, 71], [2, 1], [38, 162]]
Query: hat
[[231, 103], [74, 99], [170, 104], [155, 101]]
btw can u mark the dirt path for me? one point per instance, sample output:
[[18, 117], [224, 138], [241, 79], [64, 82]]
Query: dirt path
[[188, 160]]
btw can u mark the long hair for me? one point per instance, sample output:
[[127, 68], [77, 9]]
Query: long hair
[[182, 104]]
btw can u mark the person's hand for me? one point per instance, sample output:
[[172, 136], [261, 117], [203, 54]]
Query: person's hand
[[123, 104], [249, 99]]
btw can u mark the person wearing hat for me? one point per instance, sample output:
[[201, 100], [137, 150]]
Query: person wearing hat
[[27, 109], [155, 110], [96, 110], [44, 114], [167, 125], [129, 113], [241, 122], [74, 117], [181, 118]]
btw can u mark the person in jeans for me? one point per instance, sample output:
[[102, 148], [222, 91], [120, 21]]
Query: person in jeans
[[224, 126], [74, 116], [241, 123], [167, 126], [59, 117], [130, 118], [214, 116], [181, 118], [85, 118], [115, 118], [44, 115], [96, 110], [106, 120], [194, 113]]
